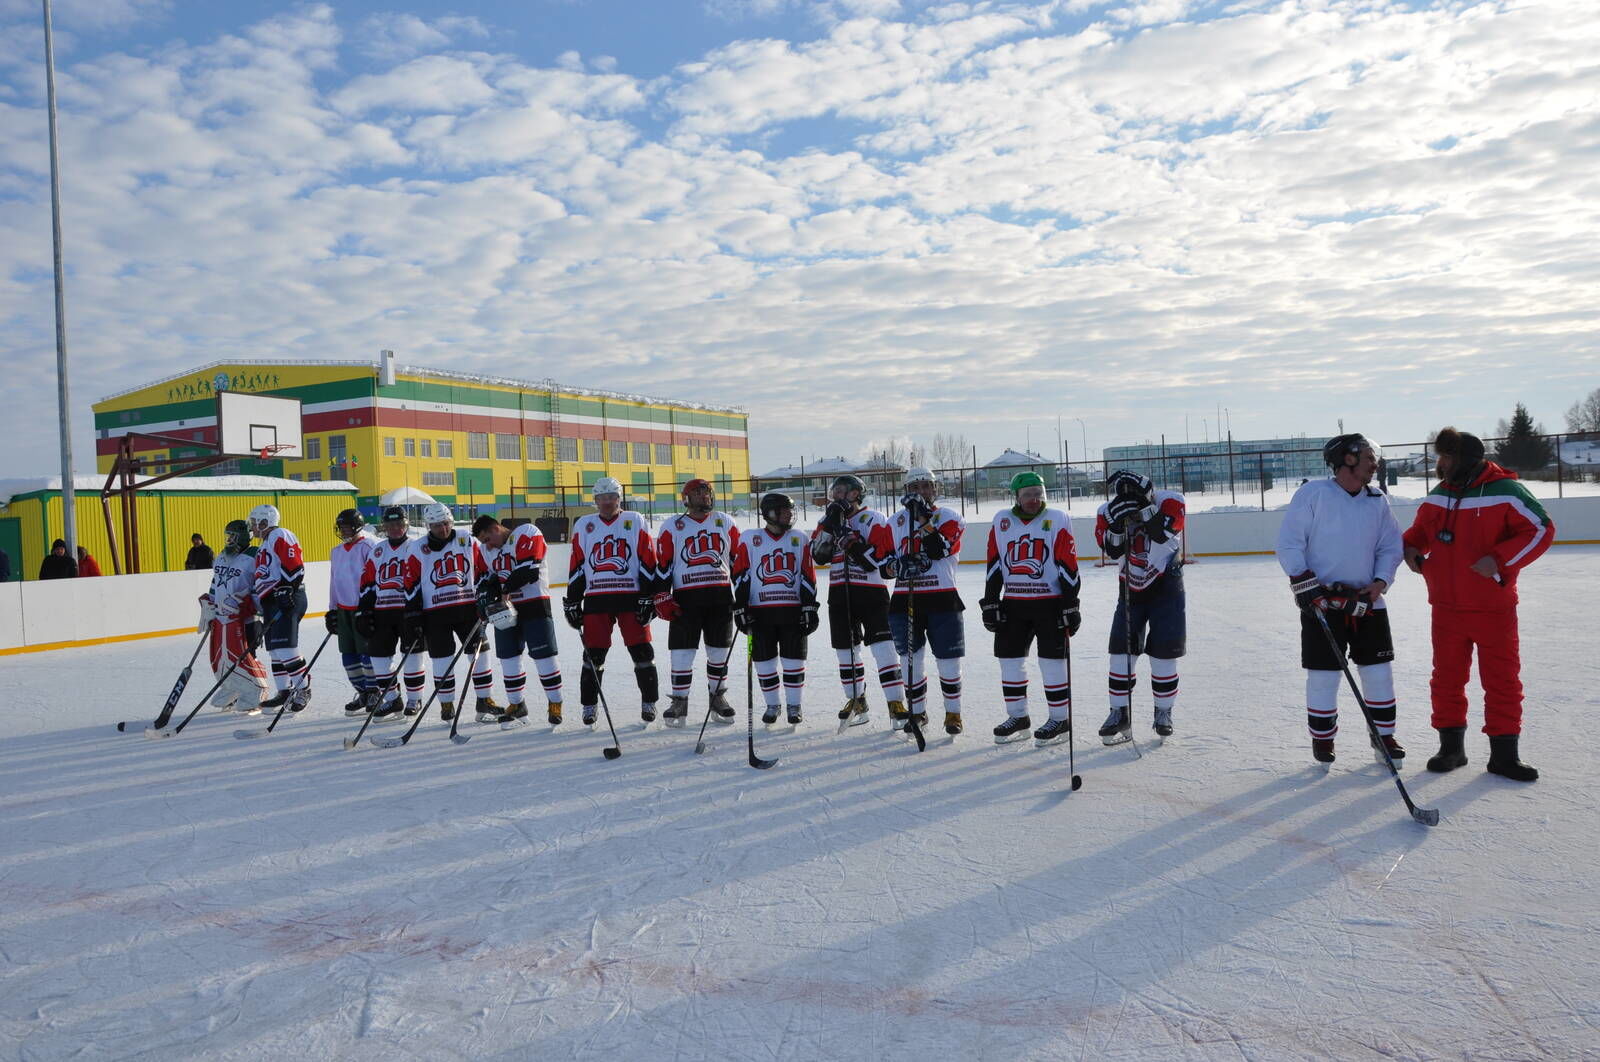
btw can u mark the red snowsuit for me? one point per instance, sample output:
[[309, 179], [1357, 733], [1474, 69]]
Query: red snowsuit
[[1494, 515]]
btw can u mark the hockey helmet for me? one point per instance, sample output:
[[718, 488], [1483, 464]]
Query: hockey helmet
[[395, 514], [1023, 480], [1336, 449], [696, 484], [236, 536], [435, 513], [920, 475], [263, 518], [1125, 481], [849, 483], [607, 485], [774, 503], [349, 523]]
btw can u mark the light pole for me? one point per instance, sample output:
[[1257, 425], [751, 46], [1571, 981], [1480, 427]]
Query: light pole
[[1085, 431], [69, 505]]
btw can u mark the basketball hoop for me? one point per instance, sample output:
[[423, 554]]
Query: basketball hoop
[[268, 452]]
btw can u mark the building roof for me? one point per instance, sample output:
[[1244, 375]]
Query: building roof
[[829, 466], [15, 488], [1009, 458]]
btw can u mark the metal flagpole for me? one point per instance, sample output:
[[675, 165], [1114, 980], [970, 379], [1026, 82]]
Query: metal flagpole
[[69, 507]]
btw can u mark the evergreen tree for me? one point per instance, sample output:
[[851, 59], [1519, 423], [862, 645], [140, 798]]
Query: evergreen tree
[[1523, 447]]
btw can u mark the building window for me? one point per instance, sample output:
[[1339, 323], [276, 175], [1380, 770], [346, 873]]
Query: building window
[[536, 448], [295, 476], [313, 449], [716, 450], [566, 449], [438, 479], [388, 447], [447, 448], [508, 447], [641, 453], [336, 450], [427, 447], [619, 453], [594, 451], [663, 453], [477, 446], [313, 477], [411, 447]]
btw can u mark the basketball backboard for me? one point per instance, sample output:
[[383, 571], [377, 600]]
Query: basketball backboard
[[248, 424]]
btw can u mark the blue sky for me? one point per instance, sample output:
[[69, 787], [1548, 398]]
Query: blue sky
[[859, 219]]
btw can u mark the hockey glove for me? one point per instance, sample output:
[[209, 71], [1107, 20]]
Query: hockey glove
[[809, 620], [833, 519], [252, 634], [283, 596], [572, 607], [366, 623], [644, 609], [1344, 599], [856, 549], [1307, 591], [330, 619], [915, 564], [823, 549], [1071, 620], [1125, 482], [741, 620], [993, 615], [917, 507], [412, 630], [667, 606], [499, 615], [207, 614], [1126, 509]]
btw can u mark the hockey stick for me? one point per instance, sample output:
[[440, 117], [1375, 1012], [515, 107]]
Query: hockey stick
[[157, 732], [1072, 720], [396, 742], [855, 668], [284, 707], [750, 705], [1127, 633], [178, 687], [383, 694], [615, 749], [1426, 816], [455, 721], [911, 653]]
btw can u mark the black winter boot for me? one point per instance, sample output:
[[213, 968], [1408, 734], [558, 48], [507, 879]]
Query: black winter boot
[[1452, 750], [1504, 762]]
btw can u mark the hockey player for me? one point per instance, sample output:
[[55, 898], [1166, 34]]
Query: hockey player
[[695, 597], [775, 603], [1030, 595], [857, 545], [1476, 531], [381, 618], [280, 596], [442, 572], [1339, 545], [516, 559], [1145, 526], [228, 611], [611, 582], [346, 563], [925, 608]]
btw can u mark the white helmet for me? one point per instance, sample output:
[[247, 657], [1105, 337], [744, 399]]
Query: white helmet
[[436, 513], [921, 475], [263, 518], [607, 485]]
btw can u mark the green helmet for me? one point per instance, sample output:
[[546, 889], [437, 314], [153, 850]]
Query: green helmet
[[1023, 480], [236, 536]]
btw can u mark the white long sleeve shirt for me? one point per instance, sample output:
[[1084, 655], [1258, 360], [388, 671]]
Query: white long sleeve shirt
[[1342, 537]]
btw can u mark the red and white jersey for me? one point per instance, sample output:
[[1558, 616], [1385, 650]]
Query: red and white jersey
[[346, 564], [278, 560], [1149, 560], [1034, 559], [908, 539], [232, 577], [445, 575], [773, 571], [614, 557], [385, 572], [524, 548], [873, 528], [696, 551]]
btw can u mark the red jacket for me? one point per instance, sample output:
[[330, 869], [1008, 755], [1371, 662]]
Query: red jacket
[[1495, 515]]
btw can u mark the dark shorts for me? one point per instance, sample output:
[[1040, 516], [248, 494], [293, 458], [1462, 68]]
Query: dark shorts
[[777, 637], [702, 614], [1159, 621], [534, 632], [281, 626], [444, 627], [1028, 622], [389, 628], [1367, 640], [862, 618], [944, 631], [350, 641]]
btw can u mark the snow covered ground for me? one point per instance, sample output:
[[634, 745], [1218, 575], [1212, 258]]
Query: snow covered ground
[[521, 897]]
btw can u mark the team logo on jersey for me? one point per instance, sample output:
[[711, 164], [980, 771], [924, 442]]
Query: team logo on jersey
[[610, 555], [1005, 523], [627, 525], [757, 539], [1047, 525], [776, 568], [679, 523], [450, 569], [1025, 556], [391, 573], [702, 547]]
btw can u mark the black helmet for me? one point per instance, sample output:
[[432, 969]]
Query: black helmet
[[1341, 446], [394, 513], [849, 482], [236, 536], [772, 503], [349, 523]]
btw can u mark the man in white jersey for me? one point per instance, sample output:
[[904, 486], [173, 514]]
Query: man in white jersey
[[381, 618], [280, 595], [695, 597], [1340, 546], [1030, 596], [516, 560], [857, 545], [1145, 526], [925, 608], [611, 581], [346, 562], [228, 612], [442, 573], [775, 603]]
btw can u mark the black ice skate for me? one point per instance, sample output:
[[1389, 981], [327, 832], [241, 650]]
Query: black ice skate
[[1015, 728], [1053, 732]]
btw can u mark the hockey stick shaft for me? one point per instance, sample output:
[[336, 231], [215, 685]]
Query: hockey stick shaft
[[204, 697], [911, 647], [423, 711], [165, 715], [472, 640], [616, 746], [295, 687]]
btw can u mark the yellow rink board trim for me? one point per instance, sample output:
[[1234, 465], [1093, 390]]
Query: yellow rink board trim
[[45, 647]]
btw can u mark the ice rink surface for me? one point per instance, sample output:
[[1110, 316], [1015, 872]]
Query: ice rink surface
[[520, 897]]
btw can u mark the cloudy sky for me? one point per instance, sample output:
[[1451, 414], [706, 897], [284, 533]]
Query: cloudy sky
[[858, 219]]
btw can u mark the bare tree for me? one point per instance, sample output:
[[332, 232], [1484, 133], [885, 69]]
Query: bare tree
[[1584, 416], [949, 451]]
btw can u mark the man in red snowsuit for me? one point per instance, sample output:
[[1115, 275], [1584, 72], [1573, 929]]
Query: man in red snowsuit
[[1476, 531]]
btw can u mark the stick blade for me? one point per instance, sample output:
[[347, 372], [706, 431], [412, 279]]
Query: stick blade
[[460, 739], [1426, 816], [611, 752], [124, 726], [246, 735], [760, 764], [391, 742], [1077, 783], [700, 748], [157, 732]]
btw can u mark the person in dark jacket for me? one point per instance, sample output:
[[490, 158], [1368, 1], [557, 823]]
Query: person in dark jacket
[[5, 567], [200, 557], [56, 564]]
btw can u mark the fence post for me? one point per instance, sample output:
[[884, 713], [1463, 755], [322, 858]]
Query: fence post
[[1559, 486], [1233, 491]]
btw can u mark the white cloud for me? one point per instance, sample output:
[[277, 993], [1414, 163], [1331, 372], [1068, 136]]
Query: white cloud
[[396, 36]]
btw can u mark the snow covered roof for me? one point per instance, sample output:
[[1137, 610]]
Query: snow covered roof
[[11, 488], [828, 466], [405, 496], [1008, 458]]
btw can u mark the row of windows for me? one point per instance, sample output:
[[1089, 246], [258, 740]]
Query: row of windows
[[510, 448], [446, 447]]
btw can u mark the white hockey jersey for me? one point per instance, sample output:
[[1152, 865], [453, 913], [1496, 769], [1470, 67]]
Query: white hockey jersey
[[346, 564], [873, 528], [447, 575], [1034, 559], [384, 574], [1341, 537], [1148, 560], [942, 576], [614, 557], [524, 548], [232, 577], [278, 560], [693, 552], [774, 571]]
